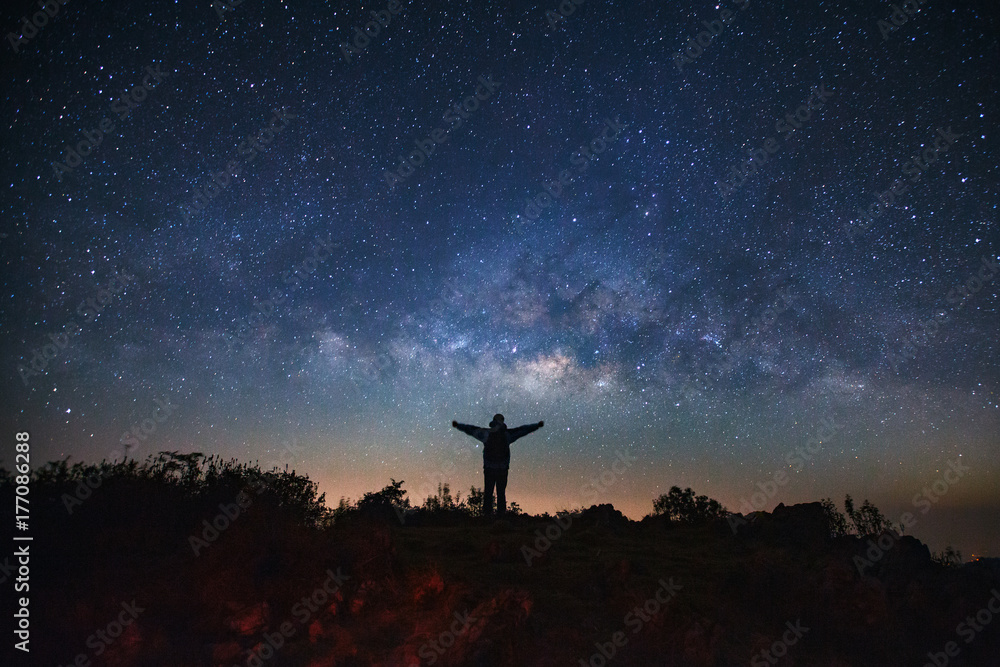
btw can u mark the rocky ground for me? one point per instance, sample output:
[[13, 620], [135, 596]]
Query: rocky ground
[[159, 579]]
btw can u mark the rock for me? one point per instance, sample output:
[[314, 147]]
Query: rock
[[804, 526], [604, 516]]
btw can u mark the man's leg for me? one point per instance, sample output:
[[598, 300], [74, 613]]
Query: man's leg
[[489, 480], [501, 481]]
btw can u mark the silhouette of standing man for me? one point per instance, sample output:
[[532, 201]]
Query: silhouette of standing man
[[496, 457]]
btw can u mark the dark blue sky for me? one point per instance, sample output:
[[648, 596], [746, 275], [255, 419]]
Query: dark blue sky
[[711, 287]]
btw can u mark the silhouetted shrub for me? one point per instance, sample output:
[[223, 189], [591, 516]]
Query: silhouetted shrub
[[836, 520], [685, 507], [193, 475], [442, 500], [390, 501], [867, 520], [950, 557]]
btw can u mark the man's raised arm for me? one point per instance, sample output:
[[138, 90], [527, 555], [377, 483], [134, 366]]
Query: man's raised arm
[[477, 432], [515, 433]]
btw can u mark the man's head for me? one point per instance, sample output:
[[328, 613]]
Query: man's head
[[497, 422]]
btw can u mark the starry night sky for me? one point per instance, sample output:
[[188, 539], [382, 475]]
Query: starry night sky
[[657, 309]]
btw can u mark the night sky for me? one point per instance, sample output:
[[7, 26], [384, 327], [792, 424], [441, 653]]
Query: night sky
[[219, 234]]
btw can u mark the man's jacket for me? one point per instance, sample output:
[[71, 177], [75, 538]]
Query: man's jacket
[[496, 444]]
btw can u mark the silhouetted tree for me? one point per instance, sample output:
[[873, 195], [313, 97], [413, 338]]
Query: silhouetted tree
[[685, 507], [443, 499], [837, 521], [344, 508], [867, 520], [950, 557], [473, 506], [391, 497]]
